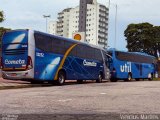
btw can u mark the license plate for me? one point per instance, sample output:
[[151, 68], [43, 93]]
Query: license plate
[[13, 74]]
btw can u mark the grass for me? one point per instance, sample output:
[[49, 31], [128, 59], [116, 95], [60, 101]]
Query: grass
[[156, 79]]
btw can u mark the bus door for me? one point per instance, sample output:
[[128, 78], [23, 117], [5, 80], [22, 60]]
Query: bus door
[[106, 64], [138, 74], [141, 70]]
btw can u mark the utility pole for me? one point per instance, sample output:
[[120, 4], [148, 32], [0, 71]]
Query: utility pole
[[115, 28], [108, 20]]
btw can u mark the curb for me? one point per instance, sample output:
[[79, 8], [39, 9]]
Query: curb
[[15, 86], [23, 86]]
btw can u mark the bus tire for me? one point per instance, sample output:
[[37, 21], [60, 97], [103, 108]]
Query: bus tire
[[61, 78], [36, 82], [137, 79], [100, 77], [80, 81], [113, 80], [151, 78], [129, 78]]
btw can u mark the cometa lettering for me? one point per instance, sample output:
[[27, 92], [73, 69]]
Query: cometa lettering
[[14, 61], [87, 63]]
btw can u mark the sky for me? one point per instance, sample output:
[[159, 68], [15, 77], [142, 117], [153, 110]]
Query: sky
[[22, 14]]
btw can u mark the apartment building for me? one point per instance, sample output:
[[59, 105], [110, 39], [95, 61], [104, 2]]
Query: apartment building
[[90, 17]]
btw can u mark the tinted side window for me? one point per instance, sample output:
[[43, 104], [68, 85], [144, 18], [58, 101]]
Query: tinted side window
[[133, 57], [73, 51], [49, 44], [86, 52], [80, 51], [90, 53], [58, 46], [43, 42], [98, 55]]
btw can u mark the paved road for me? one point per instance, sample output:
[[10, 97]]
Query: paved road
[[89, 98]]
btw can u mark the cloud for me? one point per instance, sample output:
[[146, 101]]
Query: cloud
[[31, 11], [29, 14]]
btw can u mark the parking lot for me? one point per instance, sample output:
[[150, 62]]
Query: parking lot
[[105, 98]]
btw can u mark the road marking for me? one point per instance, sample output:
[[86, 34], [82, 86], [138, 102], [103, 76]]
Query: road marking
[[103, 93], [65, 100]]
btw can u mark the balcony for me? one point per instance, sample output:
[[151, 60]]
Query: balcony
[[60, 17]]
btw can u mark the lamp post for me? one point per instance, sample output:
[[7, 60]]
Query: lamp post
[[46, 17], [115, 28], [108, 18], [108, 3], [116, 7], [116, 11]]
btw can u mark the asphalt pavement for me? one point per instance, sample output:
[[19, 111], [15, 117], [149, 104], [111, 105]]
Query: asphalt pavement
[[88, 101], [10, 84]]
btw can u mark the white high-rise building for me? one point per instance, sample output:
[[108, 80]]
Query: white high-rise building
[[52, 27], [90, 17]]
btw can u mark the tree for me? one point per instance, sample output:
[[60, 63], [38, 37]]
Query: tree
[[2, 29], [143, 37], [1, 16]]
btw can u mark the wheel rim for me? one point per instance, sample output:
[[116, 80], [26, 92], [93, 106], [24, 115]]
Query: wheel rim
[[129, 77], [61, 79], [100, 77]]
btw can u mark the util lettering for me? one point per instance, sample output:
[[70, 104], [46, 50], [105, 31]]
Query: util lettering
[[126, 67]]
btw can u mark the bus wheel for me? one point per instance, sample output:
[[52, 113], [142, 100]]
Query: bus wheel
[[150, 78], [137, 79], [129, 78], [61, 78], [113, 80], [36, 82], [100, 77], [79, 81]]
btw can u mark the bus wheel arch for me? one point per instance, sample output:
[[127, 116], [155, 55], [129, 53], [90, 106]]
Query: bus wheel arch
[[100, 77], [61, 77], [113, 75], [129, 76], [150, 76]]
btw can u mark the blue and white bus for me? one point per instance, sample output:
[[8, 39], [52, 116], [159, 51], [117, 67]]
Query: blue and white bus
[[36, 56], [131, 65]]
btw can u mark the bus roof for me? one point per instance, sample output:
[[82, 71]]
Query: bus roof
[[51, 35], [69, 39], [140, 53]]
